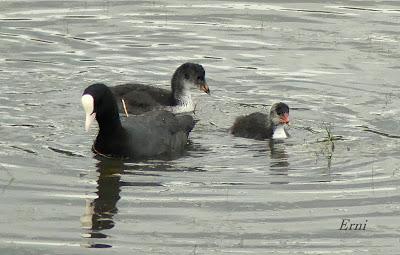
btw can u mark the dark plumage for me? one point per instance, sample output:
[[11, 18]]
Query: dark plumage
[[152, 135], [261, 126], [141, 98]]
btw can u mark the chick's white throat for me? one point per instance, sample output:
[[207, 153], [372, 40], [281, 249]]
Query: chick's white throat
[[280, 132], [184, 103]]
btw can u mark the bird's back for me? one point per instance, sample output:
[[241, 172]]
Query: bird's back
[[158, 133], [254, 125], [140, 98]]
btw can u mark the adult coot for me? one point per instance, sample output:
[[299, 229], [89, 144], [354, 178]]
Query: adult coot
[[141, 98], [260, 126], [151, 135]]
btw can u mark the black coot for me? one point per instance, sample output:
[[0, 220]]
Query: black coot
[[151, 135]]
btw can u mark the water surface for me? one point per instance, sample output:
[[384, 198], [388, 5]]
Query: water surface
[[335, 64]]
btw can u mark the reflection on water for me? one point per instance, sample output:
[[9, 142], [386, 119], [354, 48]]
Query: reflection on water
[[279, 163], [279, 157], [99, 213]]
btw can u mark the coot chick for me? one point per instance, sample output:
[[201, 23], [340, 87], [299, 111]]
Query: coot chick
[[261, 126], [157, 134], [141, 98]]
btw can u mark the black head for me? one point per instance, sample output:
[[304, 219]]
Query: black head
[[190, 74], [99, 103], [279, 113]]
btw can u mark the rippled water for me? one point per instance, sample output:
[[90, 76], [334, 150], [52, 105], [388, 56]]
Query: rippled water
[[336, 64]]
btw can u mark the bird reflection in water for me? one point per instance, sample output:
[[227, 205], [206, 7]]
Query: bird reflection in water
[[279, 157], [99, 213], [279, 160]]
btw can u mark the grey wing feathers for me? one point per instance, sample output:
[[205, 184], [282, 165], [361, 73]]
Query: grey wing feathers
[[158, 133], [141, 98], [186, 122]]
